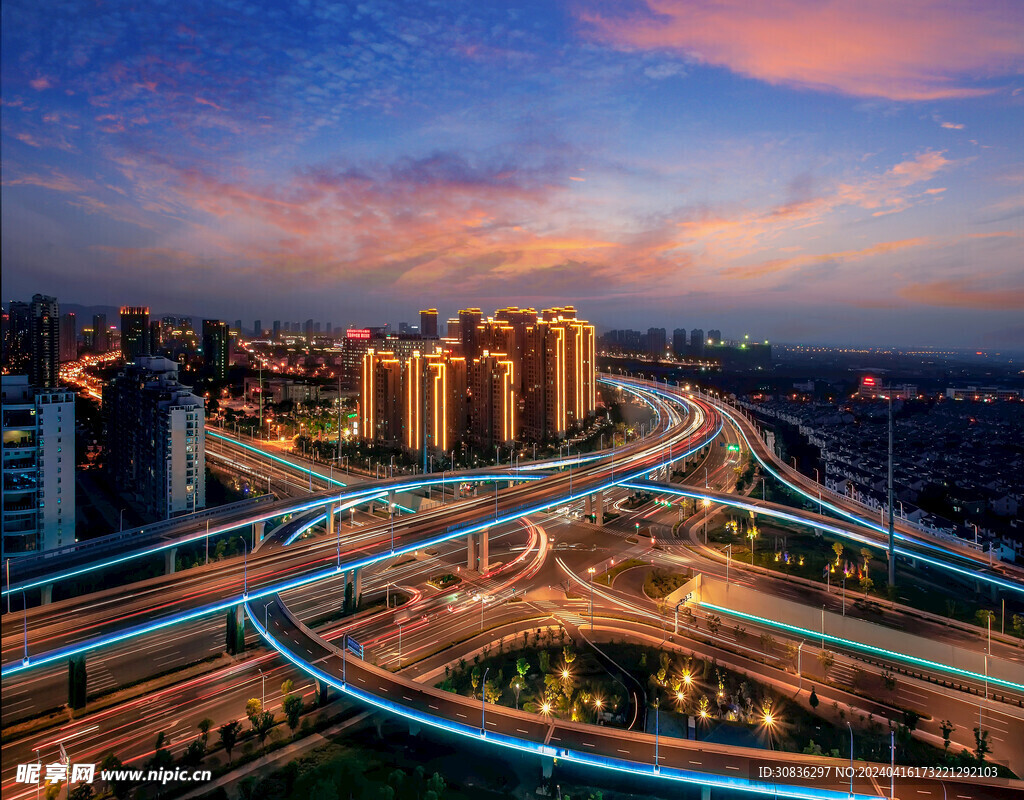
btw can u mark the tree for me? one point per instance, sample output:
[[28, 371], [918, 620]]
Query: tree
[[984, 616], [522, 667], [253, 708], [981, 746], [866, 585], [194, 753], [713, 622], [292, 706], [767, 643], [838, 548], [516, 686], [83, 791], [813, 699], [204, 728], [262, 725], [827, 659], [947, 728], [545, 661], [569, 653], [228, 736], [889, 680], [474, 679], [287, 687], [324, 789], [1017, 623], [162, 757], [866, 555]]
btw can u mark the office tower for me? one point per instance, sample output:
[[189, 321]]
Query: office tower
[[277, 329], [88, 338], [656, 341], [404, 329], [469, 335], [216, 344], [38, 500], [714, 337], [17, 338], [101, 333], [380, 404], [316, 327], [134, 332], [156, 448], [238, 326], [309, 329], [697, 342], [68, 337], [44, 342], [428, 323], [328, 329], [257, 328]]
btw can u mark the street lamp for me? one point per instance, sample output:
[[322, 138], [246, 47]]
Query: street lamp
[[591, 570], [483, 703], [263, 693], [245, 568], [399, 644], [848, 725]]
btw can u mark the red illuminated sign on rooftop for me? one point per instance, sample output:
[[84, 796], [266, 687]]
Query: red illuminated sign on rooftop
[[357, 333]]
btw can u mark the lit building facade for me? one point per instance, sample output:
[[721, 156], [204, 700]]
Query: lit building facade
[[38, 499], [156, 440], [135, 339]]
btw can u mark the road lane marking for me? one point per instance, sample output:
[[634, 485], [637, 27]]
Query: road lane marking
[[698, 763], [728, 767], [623, 751], [520, 730], [586, 744], [406, 697], [460, 715], [433, 707]]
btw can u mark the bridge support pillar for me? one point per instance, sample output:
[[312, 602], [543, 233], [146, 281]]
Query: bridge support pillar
[[258, 530], [357, 587], [46, 594], [599, 508], [705, 793], [414, 728], [471, 552], [485, 560], [169, 557], [589, 504], [330, 520], [547, 767]]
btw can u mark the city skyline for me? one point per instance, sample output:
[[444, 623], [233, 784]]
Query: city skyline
[[665, 160]]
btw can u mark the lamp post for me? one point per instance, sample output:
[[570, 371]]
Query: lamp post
[[399, 644], [483, 703], [265, 607], [263, 694], [591, 570], [848, 725], [392, 507], [657, 705], [727, 560], [245, 568], [799, 668]]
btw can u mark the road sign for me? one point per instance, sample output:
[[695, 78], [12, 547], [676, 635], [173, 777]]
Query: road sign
[[732, 448], [353, 646]]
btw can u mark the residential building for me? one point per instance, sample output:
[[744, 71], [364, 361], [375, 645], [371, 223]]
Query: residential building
[[38, 506], [155, 437]]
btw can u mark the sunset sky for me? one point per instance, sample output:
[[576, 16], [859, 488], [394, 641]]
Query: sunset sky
[[802, 170]]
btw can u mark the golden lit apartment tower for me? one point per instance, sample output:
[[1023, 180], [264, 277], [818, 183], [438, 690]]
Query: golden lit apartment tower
[[428, 323], [412, 401], [381, 397], [445, 406], [493, 410]]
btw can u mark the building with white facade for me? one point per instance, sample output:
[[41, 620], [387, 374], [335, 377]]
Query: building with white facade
[[156, 444], [38, 467]]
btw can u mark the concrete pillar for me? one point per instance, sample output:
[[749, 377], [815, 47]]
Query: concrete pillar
[[169, 556], [705, 792], [330, 520], [258, 530], [240, 614], [484, 549], [357, 586], [599, 508], [46, 594], [470, 552], [590, 504], [547, 766]]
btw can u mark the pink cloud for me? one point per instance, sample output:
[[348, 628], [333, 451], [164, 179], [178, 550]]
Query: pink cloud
[[961, 293], [908, 50]]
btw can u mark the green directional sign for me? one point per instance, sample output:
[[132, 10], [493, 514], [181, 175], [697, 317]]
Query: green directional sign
[[732, 448]]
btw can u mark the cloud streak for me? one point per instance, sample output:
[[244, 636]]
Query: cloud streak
[[911, 50]]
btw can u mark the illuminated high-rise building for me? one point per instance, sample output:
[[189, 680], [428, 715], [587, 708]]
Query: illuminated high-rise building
[[381, 407], [101, 333], [43, 342], [134, 332], [428, 323], [493, 410], [216, 348], [469, 332], [68, 337], [445, 401], [413, 420]]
